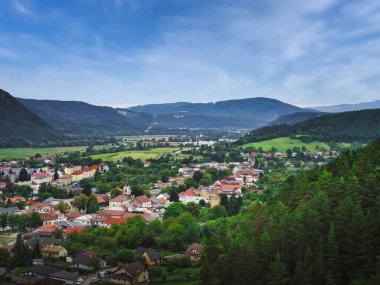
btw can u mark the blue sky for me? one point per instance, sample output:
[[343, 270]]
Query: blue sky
[[129, 52]]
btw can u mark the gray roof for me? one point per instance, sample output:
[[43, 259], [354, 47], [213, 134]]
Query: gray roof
[[3, 271], [9, 210], [44, 270], [65, 275], [152, 253]]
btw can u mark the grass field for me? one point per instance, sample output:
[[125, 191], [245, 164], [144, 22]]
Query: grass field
[[17, 153], [135, 154], [284, 143]]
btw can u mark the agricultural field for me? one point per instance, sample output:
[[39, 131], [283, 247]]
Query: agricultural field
[[284, 143], [24, 152], [139, 154]]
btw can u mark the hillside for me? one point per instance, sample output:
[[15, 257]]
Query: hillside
[[295, 118], [348, 107], [79, 118], [320, 227], [361, 126], [21, 127], [242, 113]]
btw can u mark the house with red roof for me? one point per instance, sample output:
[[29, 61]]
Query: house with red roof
[[121, 200], [140, 204], [48, 219], [41, 177], [189, 196]]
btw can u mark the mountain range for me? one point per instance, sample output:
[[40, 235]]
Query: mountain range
[[28, 121], [79, 118], [348, 107]]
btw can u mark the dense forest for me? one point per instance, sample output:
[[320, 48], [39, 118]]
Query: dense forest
[[321, 227], [357, 126]]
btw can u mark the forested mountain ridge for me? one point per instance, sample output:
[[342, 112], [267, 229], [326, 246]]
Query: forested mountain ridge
[[79, 118], [361, 126], [321, 227], [294, 118], [240, 113], [21, 127]]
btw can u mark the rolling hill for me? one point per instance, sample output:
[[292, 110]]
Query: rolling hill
[[21, 127], [356, 126], [79, 118]]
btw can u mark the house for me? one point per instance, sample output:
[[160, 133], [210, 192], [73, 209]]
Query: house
[[55, 251], [189, 196], [152, 256], [103, 199], [86, 172], [48, 219], [66, 276], [66, 179], [130, 273], [118, 201], [41, 207], [194, 251], [84, 219], [70, 169], [147, 163], [41, 271], [84, 258], [39, 178], [99, 221], [141, 203], [77, 175]]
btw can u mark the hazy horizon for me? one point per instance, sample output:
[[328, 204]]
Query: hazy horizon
[[124, 53]]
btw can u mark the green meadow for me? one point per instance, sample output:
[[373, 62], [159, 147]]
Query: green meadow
[[284, 143]]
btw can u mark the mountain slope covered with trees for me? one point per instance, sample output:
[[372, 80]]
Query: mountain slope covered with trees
[[360, 126], [79, 118], [240, 113], [21, 127], [295, 118], [321, 227]]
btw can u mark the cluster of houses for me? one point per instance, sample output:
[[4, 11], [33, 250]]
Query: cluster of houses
[[115, 210]]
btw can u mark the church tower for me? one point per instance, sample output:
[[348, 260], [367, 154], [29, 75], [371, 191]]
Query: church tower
[[127, 188]]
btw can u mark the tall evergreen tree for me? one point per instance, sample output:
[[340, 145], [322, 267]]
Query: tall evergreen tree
[[278, 274]]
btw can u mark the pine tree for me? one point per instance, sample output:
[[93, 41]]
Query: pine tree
[[56, 175], [278, 272], [332, 256], [36, 253], [21, 253]]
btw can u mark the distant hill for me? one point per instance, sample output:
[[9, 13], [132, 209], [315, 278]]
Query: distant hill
[[348, 107], [21, 127], [241, 113], [360, 126], [295, 118], [79, 118]]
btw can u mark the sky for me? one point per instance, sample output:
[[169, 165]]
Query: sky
[[129, 52]]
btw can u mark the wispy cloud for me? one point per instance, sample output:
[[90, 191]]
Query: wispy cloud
[[302, 52], [21, 8]]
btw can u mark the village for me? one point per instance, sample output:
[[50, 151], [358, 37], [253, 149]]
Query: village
[[49, 222]]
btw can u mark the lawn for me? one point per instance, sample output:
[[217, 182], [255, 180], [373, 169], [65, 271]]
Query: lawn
[[135, 154], [284, 143], [24, 152]]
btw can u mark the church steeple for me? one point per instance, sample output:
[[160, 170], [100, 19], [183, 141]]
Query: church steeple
[[127, 188]]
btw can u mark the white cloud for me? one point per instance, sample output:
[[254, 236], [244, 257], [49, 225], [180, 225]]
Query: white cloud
[[302, 52]]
